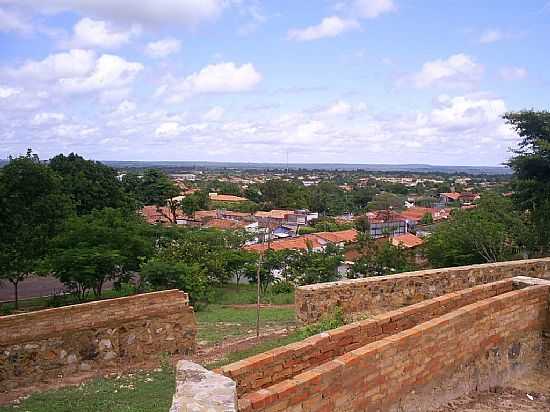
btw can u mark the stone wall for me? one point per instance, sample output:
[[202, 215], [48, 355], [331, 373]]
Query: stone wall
[[274, 366], [380, 294], [416, 369], [45, 345]]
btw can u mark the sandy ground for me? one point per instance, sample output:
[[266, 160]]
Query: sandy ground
[[528, 394]]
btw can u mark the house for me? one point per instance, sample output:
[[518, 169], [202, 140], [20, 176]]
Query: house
[[226, 198], [464, 198], [224, 224], [296, 243], [407, 240], [386, 223], [339, 238]]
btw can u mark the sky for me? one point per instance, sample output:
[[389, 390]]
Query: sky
[[324, 81]]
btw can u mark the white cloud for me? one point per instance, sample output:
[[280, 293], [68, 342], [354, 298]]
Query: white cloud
[[370, 9], [329, 27], [459, 70], [341, 107], [491, 36], [6, 92], [167, 129], [464, 112], [214, 114], [163, 48], [146, 12], [214, 78], [76, 62], [513, 73], [47, 118], [12, 22], [90, 33], [110, 72]]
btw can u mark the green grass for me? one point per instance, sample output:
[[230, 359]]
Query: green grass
[[246, 294], [216, 322], [141, 392]]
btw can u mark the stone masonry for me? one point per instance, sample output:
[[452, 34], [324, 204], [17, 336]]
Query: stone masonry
[[117, 333], [384, 293]]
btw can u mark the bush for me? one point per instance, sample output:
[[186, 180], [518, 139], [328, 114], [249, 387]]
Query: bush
[[331, 320], [282, 286]]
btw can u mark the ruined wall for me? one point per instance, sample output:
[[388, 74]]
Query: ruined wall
[[44, 345], [481, 344], [278, 364], [380, 294]]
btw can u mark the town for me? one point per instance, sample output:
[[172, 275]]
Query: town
[[274, 206]]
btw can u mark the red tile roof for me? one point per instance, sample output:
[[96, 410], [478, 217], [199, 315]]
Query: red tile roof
[[349, 235], [452, 195], [296, 243], [407, 240], [223, 224], [155, 214]]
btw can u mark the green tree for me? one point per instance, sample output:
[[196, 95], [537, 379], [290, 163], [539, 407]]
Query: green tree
[[196, 201], [108, 244], [91, 185], [427, 219], [531, 166], [163, 274], [284, 195], [492, 232], [33, 208], [154, 187], [308, 267], [327, 198], [382, 259]]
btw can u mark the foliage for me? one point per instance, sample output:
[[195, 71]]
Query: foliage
[[427, 219], [384, 201], [531, 166], [361, 197], [105, 245], [382, 258], [91, 185], [331, 320], [222, 187], [32, 209], [492, 232], [191, 278], [328, 199], [153, 188], [283, 195], [193, 202], [327, 224], [308, 267], [362, 225]]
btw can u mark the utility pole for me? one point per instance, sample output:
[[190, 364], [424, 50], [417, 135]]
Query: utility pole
[[258, 279]]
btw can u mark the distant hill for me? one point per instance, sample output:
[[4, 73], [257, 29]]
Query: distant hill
[[418, 168]]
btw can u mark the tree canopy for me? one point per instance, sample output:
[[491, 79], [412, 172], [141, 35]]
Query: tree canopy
[[33, 207]]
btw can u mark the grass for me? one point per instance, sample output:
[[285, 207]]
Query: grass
[[140, 392], [217, 322], [246, 294]]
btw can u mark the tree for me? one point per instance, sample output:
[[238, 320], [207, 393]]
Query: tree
[[196, 201], [328, 198], [492, 232], [308, 267], [284, 195], [531, 166], [382, 258], [32, 209], [162, 274], [153, 188], [105, 245], [362, 224], [427, 219], [91, 185]]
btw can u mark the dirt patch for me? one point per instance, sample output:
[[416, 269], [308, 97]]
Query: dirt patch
[[531, 393]]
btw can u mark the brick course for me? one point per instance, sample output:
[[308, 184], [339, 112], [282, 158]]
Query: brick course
[[493, 337], [380, 294], [276, 365], [43, 345]]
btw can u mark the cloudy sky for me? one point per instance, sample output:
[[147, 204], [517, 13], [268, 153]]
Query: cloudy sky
[[351, 81]]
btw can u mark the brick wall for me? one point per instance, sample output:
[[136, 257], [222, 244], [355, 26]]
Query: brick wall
[[279, 364], [44, 345], [380, 294], [495, 337]]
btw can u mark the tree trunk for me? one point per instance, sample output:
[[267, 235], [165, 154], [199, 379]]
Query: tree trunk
[[16, 292]]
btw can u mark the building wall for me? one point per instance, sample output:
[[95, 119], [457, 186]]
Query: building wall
[[478, 346], [379, 294], [279, 364], [44, 345]]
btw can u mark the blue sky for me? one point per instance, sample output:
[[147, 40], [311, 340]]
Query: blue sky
[[347, 81]]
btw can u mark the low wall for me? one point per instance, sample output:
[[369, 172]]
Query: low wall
[[380, 294], [271, 367], [478, 345], [48, 344]]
